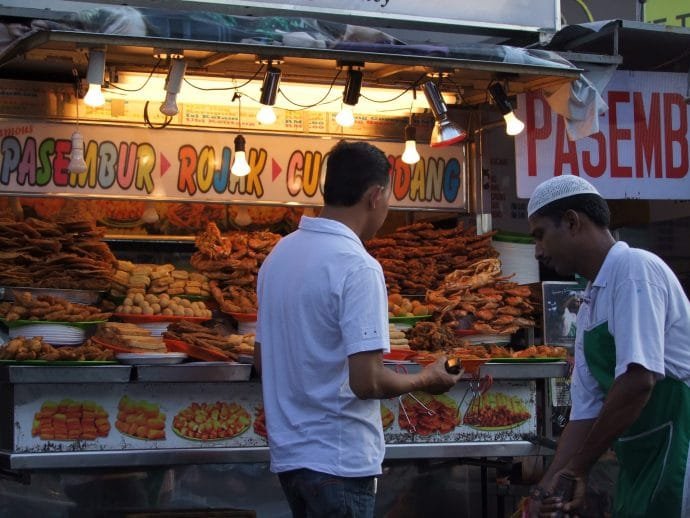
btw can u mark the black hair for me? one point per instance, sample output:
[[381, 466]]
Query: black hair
[[590, 204], [351, 168]]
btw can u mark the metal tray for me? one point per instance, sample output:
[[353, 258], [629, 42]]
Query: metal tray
[[194, 372]]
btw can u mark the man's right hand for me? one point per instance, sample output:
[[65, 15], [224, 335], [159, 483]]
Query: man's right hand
[[436, 379]]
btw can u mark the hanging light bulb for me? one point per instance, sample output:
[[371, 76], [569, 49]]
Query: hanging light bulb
[[514, 126], [269, 89], [243, 218], [150, 214], [173, 83], [410, 155], [94, 76], [240, 167], [445, 131], [76, 162], [346, 117]]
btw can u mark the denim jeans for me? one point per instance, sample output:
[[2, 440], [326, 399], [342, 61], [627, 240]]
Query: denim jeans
[[312, 494]]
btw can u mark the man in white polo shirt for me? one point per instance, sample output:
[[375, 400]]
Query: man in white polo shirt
[[321, 334], [630, 386]]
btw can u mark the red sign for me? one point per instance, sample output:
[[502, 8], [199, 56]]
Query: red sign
[[640, 152]]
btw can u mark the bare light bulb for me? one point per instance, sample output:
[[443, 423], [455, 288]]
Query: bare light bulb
[[76, 162], [514, 126], [243, 217], [94, 96], [410, 155], [266, 115], [94, 76], [150, 214], [240, 167], [345, 118]]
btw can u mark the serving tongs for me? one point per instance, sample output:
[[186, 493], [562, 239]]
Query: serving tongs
[[429, 411]]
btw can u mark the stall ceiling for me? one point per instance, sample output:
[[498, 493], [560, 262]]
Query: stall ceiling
[[52, 56]]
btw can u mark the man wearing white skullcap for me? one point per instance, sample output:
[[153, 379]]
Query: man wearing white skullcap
[[631, 382]]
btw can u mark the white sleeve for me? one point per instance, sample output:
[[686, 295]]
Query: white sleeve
[[364, 311]]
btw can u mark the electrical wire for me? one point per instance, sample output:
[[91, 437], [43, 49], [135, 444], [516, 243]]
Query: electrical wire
[[588, 13], [226, 87], [413, 85], [155, 67], [148, 122], [317, 103]]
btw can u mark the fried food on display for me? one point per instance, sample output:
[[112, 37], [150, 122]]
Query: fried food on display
[[67, 253], [399, 306], [21, 349], [49, 308], [157, 279], [479, 292], [232, 263], [128, 337], [201, 336]]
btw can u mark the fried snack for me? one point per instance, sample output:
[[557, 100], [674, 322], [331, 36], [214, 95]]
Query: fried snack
[[129, 336], [36, 348], [50, 308]]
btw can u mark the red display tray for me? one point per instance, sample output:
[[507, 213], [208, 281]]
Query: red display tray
[[243, 317], [195, 351]]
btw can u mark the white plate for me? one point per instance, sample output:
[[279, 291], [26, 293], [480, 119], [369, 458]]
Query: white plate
[[156, 328], [54, 334], [150, 358]]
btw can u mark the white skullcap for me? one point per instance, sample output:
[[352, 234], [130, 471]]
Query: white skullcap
[[557, 188]]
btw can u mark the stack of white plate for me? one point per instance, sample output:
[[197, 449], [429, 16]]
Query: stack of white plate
[[54, 334], [156, 328]]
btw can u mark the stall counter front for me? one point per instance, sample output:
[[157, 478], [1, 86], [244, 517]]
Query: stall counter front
[[111, 415]]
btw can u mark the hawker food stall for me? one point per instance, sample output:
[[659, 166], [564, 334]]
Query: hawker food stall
[[132, 234]]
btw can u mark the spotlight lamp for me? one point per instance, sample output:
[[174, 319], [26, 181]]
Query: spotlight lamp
[[240, 167], [269, 89], [94, 76], [445, 132], [514, 126], [76, 161], [410, 154], [173, 83], [353, 87]]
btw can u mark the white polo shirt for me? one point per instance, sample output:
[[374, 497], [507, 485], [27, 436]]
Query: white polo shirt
[[322, 297], [647, 313]]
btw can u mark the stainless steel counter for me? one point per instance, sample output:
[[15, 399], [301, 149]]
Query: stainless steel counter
[[179, 456]]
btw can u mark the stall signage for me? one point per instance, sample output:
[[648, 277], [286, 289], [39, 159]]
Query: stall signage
[[184, 165], [640, 152], [667, 12]]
